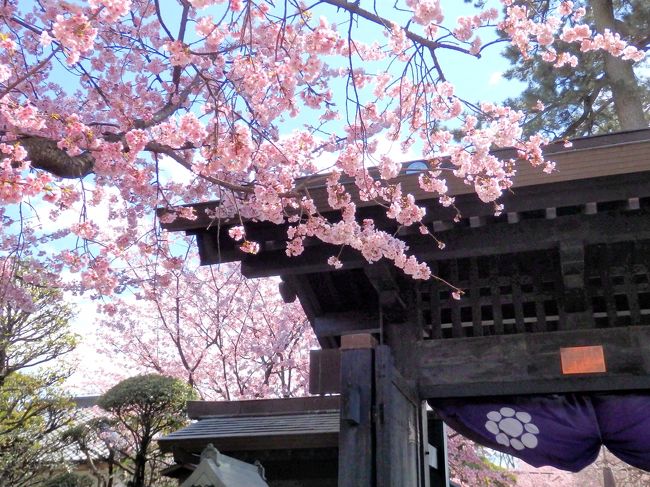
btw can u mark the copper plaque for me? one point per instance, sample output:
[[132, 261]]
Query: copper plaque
[[583, 360]]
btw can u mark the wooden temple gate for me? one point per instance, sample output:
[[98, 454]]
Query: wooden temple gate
[[556, 300]]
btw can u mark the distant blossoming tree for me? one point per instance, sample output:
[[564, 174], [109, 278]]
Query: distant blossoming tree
[[469, 466], [226, 336]]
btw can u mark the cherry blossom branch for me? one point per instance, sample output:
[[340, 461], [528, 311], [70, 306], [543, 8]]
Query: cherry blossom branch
[[35, 69], [46, 155], [159, 148], [160, 20], [170, 108], [384, 22]]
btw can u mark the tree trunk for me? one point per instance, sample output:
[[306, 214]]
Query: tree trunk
[[111, 461], [626, 91], [140, 463]]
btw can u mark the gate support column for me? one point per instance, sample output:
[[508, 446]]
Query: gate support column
[[437, 454], [356, 449]]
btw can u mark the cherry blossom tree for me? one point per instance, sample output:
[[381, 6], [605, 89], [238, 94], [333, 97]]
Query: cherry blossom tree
[[227, 336], [602, 93], [470, 466], [111, 108]]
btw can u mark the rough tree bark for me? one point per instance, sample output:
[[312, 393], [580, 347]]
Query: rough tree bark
[[624, 84], [46, 155]]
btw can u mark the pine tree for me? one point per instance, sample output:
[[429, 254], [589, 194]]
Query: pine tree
[[600, 94]]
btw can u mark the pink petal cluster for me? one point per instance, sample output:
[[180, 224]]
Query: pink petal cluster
[[179, 53], [75, 33], [237, 233], [525, 34], [426, 11], [5, 73], [111, 10], [249, 108]]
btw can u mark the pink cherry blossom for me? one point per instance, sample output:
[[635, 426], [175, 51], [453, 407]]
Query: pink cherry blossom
[[75, 33], [252, 107], [236, 233], [229, 337]]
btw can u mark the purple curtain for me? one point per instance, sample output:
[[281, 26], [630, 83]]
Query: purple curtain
[[564, 431]]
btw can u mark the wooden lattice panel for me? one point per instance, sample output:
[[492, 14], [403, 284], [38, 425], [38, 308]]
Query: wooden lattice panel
[[618, 284], [525, 293]]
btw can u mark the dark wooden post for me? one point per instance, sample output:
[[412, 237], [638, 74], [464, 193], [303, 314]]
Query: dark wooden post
[[386, 438], [437, 454], [399, 427], [356, 449]]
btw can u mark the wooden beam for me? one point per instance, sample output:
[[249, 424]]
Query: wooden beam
[[217, 248], [494, 239], [325, 371], [561, 195], [382, 277], [534, 234], [349, 322], [286, 290], [312, 260], [288, 441], [529, 363], [306, 295], [248, 407]]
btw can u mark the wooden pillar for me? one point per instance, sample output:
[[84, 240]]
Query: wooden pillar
[[385, 436], [399, 427], [356, 449], [437, 453]]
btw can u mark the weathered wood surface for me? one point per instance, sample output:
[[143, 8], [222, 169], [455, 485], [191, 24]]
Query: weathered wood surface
[[529, 363], [356, 445], [527, 292], [325, 371], [400, 435], [201, 409], [336, 324], [495, 238]]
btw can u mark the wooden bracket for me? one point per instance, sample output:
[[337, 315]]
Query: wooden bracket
[[382, 278]]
